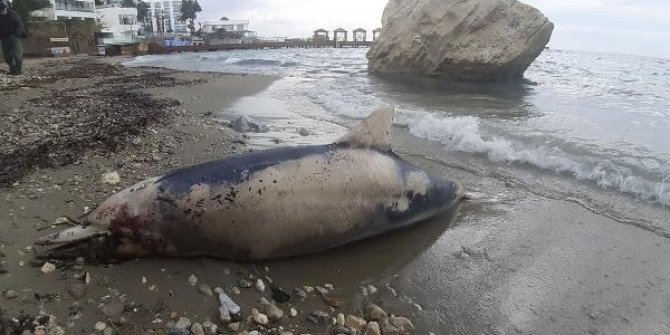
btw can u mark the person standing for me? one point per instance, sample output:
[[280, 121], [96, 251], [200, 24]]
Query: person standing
[[11, 29]]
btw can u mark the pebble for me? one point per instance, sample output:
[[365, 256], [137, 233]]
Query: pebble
[[230, 305], [244, 283], [372, 328], [224, 314], [107, 331], [197, 329], [217, 290], [235, 290], [274, 313], [100, 326], [293, 312], [48, 268], [205, 289], [371, 289], [374, 313], [210, 328], [111, 178], [403, 324], [113, 309], [321, 316], [234, 327], [259, 318], [300, 293], [260, 285], [81, 261], [57, 330], [340, 320], [355, 322], [303, 132], [183, 323], [11, 294], [321, 290], [39, 331], [192, 280], [329, 286]]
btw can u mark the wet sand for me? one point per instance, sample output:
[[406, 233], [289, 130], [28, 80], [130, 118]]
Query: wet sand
[[516, 262]]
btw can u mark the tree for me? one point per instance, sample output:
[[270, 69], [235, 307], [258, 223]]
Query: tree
[[142, 11], [189, 11], [25, 8], [128, 3]]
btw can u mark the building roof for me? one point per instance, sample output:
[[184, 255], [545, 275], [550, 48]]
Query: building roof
[[340, 29], [360, 29], [321, 30]]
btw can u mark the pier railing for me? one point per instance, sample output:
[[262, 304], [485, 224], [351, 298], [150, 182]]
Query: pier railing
[[265, 45]]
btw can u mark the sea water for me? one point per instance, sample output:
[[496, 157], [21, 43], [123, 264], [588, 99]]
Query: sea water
[[597, 119]]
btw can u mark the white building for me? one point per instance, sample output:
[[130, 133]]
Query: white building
[[165, 17], [69, 9], [119, 25], [228, 25]]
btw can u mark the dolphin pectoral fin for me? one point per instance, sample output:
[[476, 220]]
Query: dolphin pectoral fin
[[372, 133], [71, 235]]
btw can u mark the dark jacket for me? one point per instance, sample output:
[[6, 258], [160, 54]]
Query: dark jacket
[[11, 24]]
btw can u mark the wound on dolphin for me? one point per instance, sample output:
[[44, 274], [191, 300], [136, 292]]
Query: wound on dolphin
[[319, 197]]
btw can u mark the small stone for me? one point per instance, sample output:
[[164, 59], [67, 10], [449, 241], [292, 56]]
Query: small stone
[[11, 294], [355, 322], [244, 283], [39, 331], [22, 264], [403, 324], [57, 330], [205, 289], [303, 131], [183, 323], [48, 268], [230, 305], [235, 290], [81, 261], [274, 313], [342, 330], [321, 316], [263, 301], [388, 328], [217, 290], [340, 320], [197, 329], [109, 331], [224, 314], [100, 326], [259, 318], [260, 286], [210, 328], [77, 290], [293, 312], [192, 280], [300, 293], [374, 313], [372, 328], [329, 286], [308, 289], [321, 290], [144, 280], [234, 327], [111, 178]]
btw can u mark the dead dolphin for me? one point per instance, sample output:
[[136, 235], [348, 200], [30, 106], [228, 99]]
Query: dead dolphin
[[275, 203]]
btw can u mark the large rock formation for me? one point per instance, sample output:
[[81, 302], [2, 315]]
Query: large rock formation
[[466, 40]]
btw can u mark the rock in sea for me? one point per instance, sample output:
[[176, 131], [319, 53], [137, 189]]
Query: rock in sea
[[245, 124], [475, 40]]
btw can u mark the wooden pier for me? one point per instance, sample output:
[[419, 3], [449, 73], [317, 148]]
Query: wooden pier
[[268, 45]]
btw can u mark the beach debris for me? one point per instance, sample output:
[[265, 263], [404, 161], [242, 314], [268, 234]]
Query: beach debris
[[111, 178], [205, 289], [230, 305], [245, 123], [48, 268], [192, 280], [274, 313], [374, 313]]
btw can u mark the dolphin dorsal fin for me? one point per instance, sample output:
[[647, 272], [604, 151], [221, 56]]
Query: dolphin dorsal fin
[[372, 133]]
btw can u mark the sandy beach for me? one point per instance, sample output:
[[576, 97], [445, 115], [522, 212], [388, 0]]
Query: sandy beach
[[518, 261]]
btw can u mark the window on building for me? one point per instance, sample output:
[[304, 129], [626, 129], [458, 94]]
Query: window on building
[[240, 27], [127, 19]]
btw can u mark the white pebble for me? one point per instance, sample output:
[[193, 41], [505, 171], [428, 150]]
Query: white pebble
[[260, 286]]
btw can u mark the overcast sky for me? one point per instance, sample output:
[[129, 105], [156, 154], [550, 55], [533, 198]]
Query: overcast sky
[[622, 26]]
